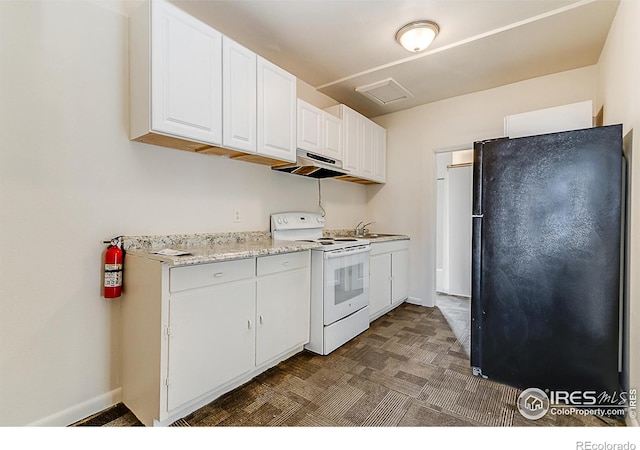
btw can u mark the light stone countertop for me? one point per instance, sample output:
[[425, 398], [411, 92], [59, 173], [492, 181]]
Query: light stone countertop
[[395, 237], [215, 247], [350, 233]]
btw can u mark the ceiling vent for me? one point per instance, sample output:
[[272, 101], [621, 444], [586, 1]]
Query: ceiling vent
[[385, 91]]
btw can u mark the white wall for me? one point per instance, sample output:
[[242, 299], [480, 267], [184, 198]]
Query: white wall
[[619, 92], [407, 203], [70, 178]]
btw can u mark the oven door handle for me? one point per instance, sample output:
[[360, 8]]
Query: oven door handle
[[341, 253]]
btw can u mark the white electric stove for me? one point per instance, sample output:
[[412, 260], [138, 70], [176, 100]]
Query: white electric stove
[[339, 280]]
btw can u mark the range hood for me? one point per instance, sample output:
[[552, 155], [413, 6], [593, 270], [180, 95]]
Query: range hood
[[313, 165]]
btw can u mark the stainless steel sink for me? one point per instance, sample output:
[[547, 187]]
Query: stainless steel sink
[[376, 235]]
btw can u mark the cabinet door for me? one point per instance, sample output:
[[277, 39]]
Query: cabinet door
[[309, 127], [211, 339], [239, 75], [283, 313], [379, 283], [400, 275], [367, 157], [186, 73], [332, 136], [380, 153], [352, 139], [276, 112]]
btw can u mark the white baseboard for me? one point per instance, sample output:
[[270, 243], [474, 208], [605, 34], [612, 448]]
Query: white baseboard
[[416, 301], [632, 422], [80, 411]]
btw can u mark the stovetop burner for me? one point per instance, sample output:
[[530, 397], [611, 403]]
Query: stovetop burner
[[308, 227]]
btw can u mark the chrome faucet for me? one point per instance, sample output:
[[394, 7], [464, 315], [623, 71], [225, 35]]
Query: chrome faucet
[[362, 230]]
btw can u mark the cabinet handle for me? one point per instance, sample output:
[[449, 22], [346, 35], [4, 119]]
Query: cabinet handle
[[261, 319], [249, 324], [286, 263], [218, 274]]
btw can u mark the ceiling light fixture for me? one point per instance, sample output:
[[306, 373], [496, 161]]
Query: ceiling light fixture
[[416, 36]]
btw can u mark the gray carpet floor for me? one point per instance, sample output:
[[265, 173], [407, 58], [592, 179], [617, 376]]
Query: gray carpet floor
[[407, 369]]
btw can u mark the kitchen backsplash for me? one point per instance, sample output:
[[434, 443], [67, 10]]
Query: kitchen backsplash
[[191, 240]]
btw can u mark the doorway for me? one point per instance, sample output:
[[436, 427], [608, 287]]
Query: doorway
[[454, 191]]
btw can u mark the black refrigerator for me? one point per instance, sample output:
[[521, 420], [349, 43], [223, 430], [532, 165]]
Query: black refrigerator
[[546, 260]]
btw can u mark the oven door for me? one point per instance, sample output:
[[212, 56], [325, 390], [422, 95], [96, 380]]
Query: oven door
[[346, 282]]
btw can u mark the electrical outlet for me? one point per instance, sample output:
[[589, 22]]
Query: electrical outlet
[[236, 216]]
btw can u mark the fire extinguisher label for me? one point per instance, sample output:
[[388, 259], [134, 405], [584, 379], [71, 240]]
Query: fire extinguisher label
[[112, 275]]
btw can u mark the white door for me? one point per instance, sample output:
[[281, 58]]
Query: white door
[[211, 339], [309, 127], [460, 201], [346, 283], [379, 283], [276, 112], [283, 309], [442, 222], [332, 136], [187, 75], [399, 275], [239, 99]]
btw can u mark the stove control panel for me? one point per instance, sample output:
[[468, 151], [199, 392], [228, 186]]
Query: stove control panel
[[296, 221]]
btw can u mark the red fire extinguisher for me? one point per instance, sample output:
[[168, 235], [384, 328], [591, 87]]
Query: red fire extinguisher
[[113, 260]]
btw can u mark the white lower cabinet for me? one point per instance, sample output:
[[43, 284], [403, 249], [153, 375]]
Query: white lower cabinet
[[400, 275], [388, 275], [282, 319], [211, 339], [193, 333]]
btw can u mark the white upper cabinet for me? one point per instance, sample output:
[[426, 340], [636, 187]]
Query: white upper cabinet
[[319, 131], [367, 155], [380, 153], [194, 89], [352, 140], [176, 75], [276, 111], [332, 133], [310, 121], [239, 84], [364, 150]]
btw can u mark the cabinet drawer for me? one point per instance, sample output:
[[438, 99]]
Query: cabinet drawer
[[388, 246], [282, 263], [181, 278]]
